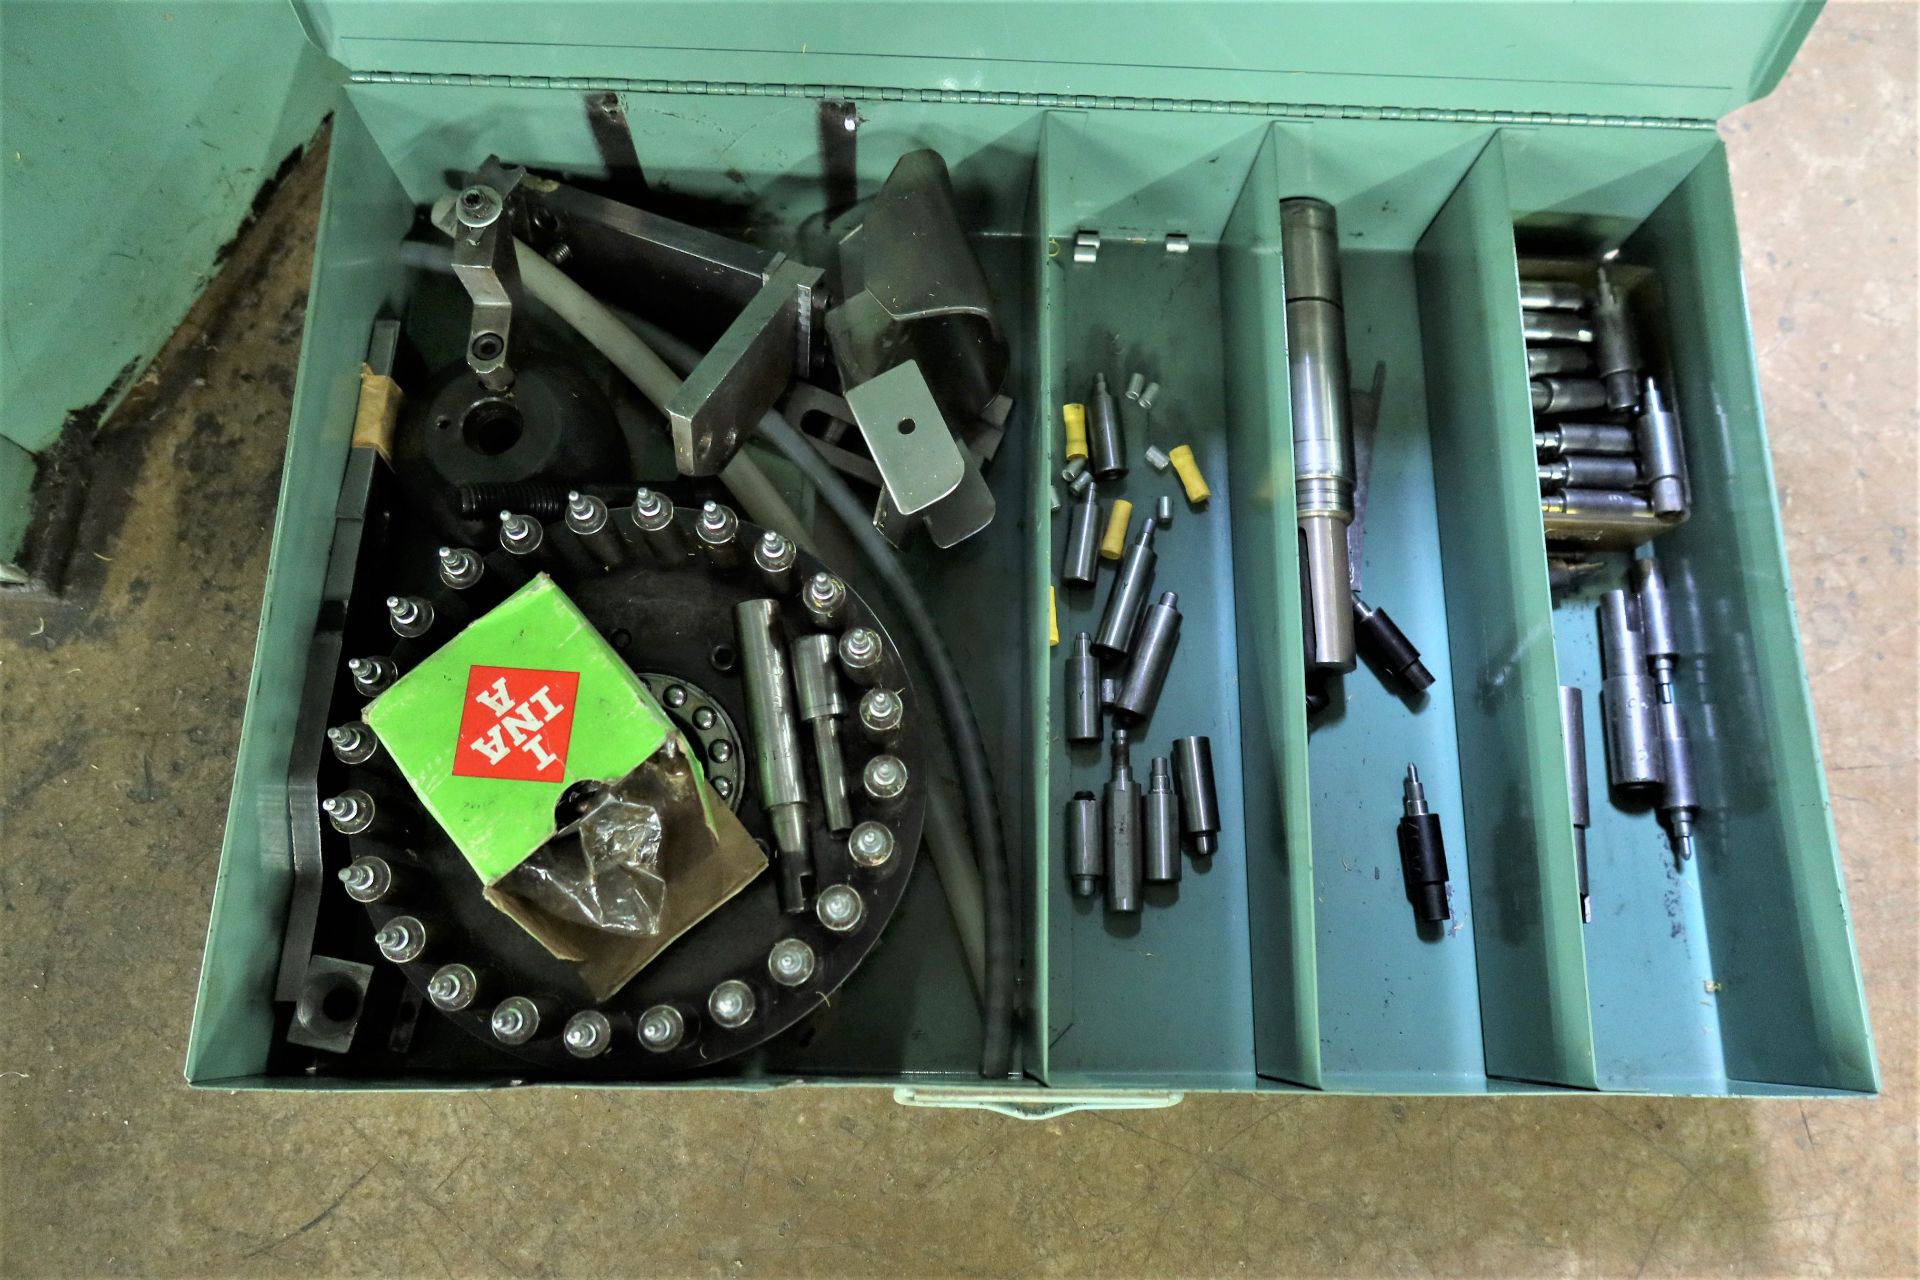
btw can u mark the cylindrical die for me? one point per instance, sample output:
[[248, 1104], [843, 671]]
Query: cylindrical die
[[1153, 647], [1129, 595], [1125, 856], [1552, 295], [1104, 437], [1082, 556], [1589, 471], [1555, 326], [1661, 454], [1199, 807], [1563, 438], [1567, 395], [1627, 698], [1083, 691]]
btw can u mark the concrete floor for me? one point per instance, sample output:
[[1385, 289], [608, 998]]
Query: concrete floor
[[122, 710]]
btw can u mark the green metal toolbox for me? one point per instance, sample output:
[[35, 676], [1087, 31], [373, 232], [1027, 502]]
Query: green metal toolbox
[[1451, 137]]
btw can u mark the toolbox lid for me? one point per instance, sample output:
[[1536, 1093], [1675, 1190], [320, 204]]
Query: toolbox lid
[[1635, 60]]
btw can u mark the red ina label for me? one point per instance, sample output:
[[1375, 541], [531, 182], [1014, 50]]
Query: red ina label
[[516, 724]]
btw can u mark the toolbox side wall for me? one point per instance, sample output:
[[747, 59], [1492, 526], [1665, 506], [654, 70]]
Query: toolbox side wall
[[356, 273], [1770, 876]]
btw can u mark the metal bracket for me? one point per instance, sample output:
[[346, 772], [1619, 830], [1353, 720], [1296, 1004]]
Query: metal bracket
[[908, 437], [486, 263], [740, 378], [926, 477]]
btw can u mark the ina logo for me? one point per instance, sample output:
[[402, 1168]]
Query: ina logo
[[516, 724]]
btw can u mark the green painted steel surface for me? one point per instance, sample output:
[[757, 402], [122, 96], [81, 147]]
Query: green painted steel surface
[[1272, 670], [1518, 826], [134, 137], [16, 482], [1696, 59]]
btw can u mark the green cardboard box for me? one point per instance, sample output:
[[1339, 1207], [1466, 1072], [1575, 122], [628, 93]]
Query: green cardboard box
[[493, 728]]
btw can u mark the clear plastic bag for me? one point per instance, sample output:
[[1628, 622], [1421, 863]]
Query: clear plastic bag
[[602, 871]]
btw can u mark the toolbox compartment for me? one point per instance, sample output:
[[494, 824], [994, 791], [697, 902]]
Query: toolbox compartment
[[1292, 960]]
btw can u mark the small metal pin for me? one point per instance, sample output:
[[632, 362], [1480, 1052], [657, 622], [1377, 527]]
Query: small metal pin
[[588, 1034], [367, 879], [401, 939], [870, 845], [791, 962], [840, 908], [881, 712], [350, 812], [352, 743], [453, 987], [521, 535], [825, 599], [718, 529], [459, 568], [409, 616], [515, 1020], [730, 1004], [775, 556], [371, 675], [661, 1029], [884, 779], [860, 653]]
